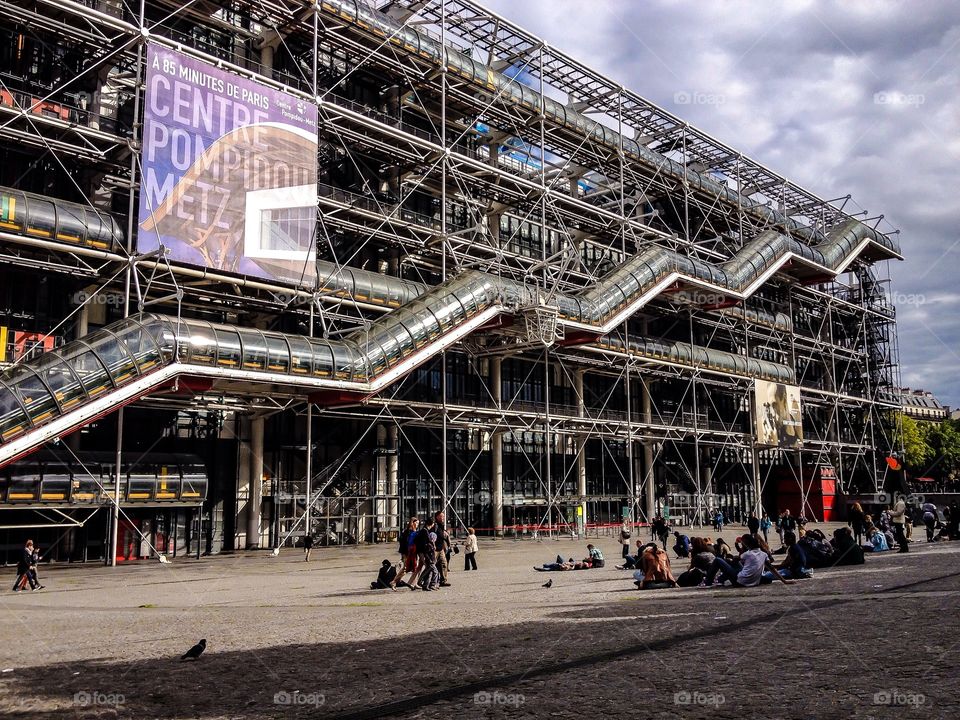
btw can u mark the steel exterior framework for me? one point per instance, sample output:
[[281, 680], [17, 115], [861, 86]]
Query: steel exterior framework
[[424, 177]]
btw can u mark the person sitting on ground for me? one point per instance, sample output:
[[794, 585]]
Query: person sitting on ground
[[762, 543], [385, 578], [876, 540], [794, 566], [846, 550], [701, 558], [681, 545], [594, 557], [747, 571], [818, 551], [632, 562], [722, 550], [655, 569]]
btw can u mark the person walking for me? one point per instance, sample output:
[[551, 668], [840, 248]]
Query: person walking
[[856, 521], [898, 517], [425, 541], [753, 524], [765, 525], [408, 553], [470, 548], [929, 518], [307, 547], [24, 564]]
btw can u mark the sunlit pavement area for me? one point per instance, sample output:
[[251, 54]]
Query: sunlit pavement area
[[289, 638]]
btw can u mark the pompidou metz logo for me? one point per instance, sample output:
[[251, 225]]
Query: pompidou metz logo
[[229, 171]]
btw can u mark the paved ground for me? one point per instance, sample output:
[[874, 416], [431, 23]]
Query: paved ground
[[287, 638]]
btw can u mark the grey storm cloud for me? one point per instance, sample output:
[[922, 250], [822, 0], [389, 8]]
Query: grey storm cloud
[[856, 98]]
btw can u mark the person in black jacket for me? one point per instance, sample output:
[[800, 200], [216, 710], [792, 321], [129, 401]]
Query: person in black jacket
[[307, 547], [857, 522], [753, 524], [25, 572], [425, 542], [443, 547]]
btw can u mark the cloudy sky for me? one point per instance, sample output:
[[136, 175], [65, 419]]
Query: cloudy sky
[[852, 97]]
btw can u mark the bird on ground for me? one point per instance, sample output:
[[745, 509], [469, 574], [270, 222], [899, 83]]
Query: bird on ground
[[196, 651], [548, 583]]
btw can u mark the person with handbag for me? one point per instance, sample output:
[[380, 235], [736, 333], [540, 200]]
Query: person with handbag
[[898, 516], [470, 548], [625, 533]]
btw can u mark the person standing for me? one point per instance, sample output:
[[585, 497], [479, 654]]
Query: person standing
[[625, 539], [789, 522], [470, 548], [753, 524], [443, 547], [898, 516], [855, 519], [307, 547]]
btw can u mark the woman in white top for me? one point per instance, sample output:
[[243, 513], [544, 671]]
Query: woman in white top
[[470, 548]]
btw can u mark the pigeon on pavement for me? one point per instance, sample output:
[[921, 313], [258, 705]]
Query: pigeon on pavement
[[196, 651]]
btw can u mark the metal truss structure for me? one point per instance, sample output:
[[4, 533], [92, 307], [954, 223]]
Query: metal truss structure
[[454, 144]]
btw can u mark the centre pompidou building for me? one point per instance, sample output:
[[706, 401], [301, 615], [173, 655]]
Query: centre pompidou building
[[273, 268]]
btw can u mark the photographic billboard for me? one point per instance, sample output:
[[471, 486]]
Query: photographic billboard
[[777, 418], [229, 171]]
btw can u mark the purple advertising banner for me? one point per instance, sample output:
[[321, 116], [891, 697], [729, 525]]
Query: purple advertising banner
[[229, 171]]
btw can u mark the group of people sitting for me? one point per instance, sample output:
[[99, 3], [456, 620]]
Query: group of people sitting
[[713, 562]]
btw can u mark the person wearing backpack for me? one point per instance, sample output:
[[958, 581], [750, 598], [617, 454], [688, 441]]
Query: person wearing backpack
[[929, 518], [765, 526]]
